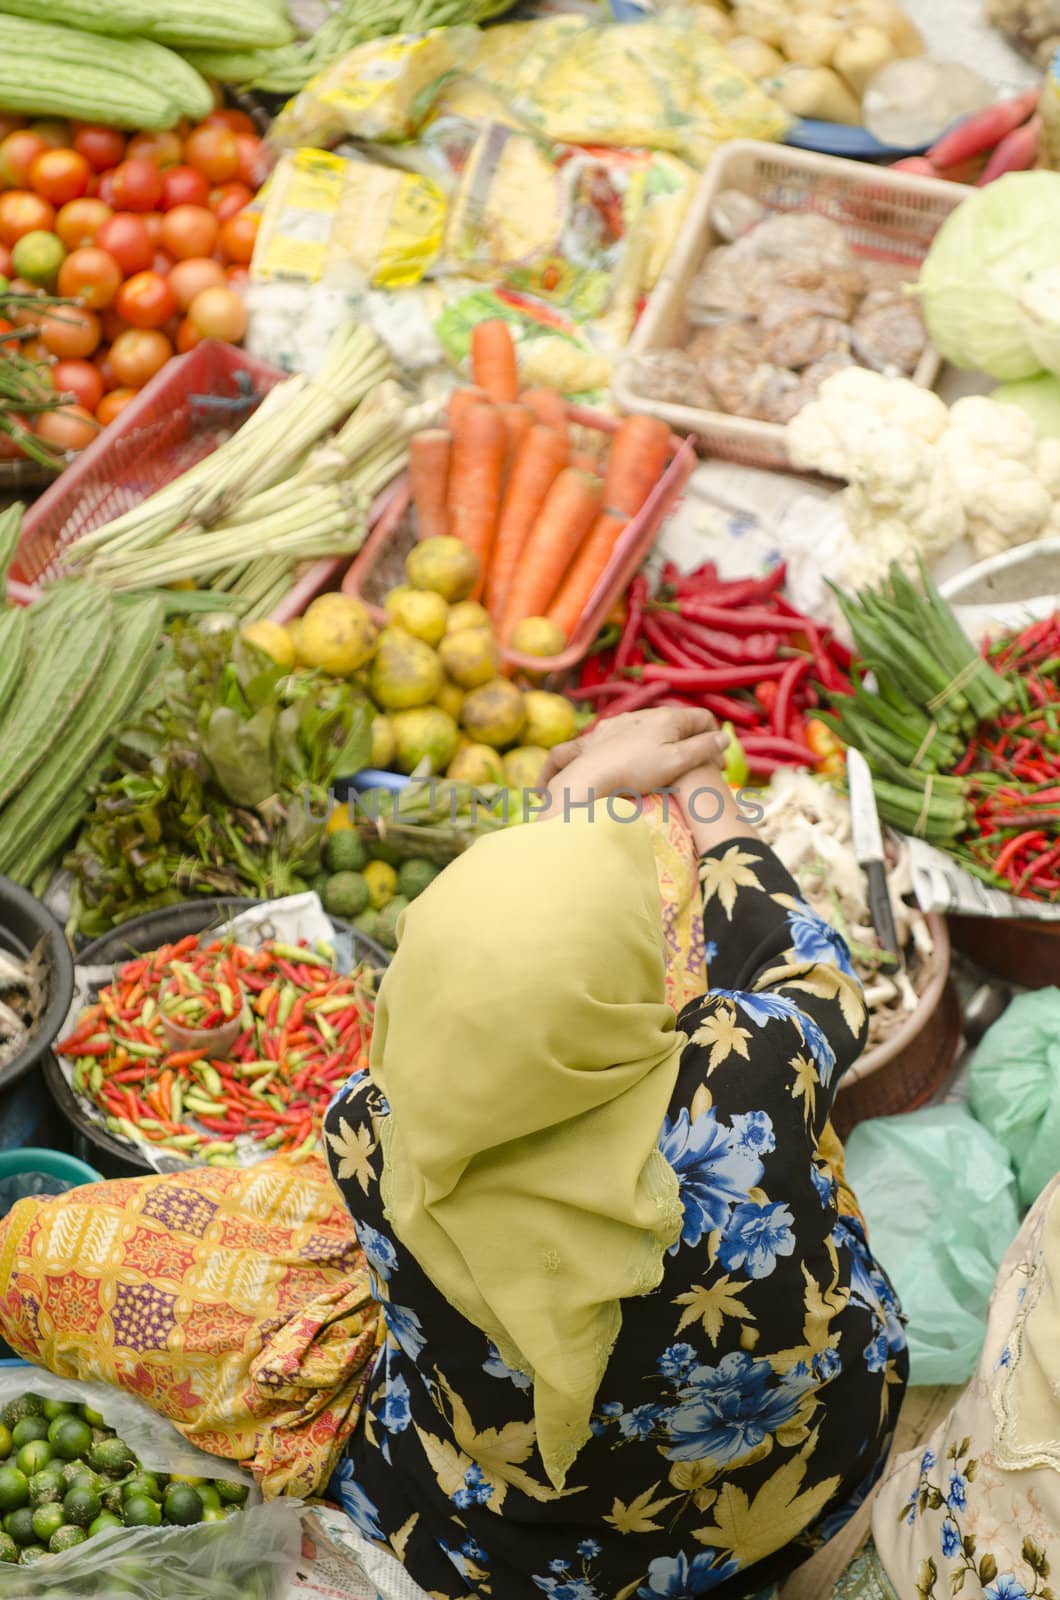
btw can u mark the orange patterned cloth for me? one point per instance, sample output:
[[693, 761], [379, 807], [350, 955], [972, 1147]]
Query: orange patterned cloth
[[235, 1302]]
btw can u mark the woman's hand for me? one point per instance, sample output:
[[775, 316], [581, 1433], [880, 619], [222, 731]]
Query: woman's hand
[[638, 753]]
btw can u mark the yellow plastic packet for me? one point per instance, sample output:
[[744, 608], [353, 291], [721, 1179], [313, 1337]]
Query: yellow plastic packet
[[381, 90]]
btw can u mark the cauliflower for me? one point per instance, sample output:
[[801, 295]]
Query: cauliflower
[[1047, 466], [1004, 433], [851, 407], [1012, 507], [902, 497]]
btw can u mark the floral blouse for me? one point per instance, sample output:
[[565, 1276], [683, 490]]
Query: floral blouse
[[749, 1400]]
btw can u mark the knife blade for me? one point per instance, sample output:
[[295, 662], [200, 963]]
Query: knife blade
[[868, 847]]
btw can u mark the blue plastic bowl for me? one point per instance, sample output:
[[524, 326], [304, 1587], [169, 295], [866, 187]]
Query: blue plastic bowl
[[53, 1162]]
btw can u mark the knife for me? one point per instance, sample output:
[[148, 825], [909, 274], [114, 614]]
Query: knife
[[868, 847]]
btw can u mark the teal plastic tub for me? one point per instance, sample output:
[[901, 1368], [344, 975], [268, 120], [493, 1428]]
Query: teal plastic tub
[[53, 1162]]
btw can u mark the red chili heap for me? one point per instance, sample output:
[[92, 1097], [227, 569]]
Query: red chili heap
[[305, 1028]]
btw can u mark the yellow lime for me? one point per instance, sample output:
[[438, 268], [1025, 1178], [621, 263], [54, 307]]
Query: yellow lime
[[272, 638], [445, 565], [477, 764], [405, 672], [337, 636], [382, 742], [550, 718], [523, 766], [423, 734], [471, 657], [420, 612], [38, 256], [450, 697], [382, 883], [467, 614], [494, 714], [537, 636]]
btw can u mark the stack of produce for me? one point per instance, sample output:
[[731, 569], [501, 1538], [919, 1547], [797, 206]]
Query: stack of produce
[[284, 489], [540, 510], [67, 1477], [736, 647], [303, 1028], [964, 749], [148, 238], [367, 882]]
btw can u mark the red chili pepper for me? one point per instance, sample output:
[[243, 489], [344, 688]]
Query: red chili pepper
[[792, 675], [745, 619], [740, 712], [965, 763], [1008, 852], [638, 594], [770, 744], [713, 677]]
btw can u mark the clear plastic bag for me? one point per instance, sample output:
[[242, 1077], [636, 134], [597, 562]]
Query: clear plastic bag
[[939, 1198], [1014, 1087]]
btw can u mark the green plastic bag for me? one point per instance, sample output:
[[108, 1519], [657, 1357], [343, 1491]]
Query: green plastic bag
[[1014, 1087], [939, 1198]]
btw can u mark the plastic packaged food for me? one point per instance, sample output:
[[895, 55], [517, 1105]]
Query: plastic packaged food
[[672, 375], [888, 333]]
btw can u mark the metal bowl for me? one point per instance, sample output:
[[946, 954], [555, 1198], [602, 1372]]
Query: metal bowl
[[23, 923]]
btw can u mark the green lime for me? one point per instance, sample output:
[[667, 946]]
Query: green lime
[[209, 1497], [27, 1405], [180, 1477], [46, 1521], [28, 1428], [19, 1524], [8, 1548], [7, 1444], [82, 1506], [141, 1483], [31, 1553], [142, 1512], [38, 256], [214, 1514], [14, 1488], [93, 1417], [234, 1494], [182, 1504], [33, 1456], [65, 1538], [48, 1485], [112, 1500], [106, 1519], [111, 1456], [85, 1478], [71, 1437], [59, 1408]]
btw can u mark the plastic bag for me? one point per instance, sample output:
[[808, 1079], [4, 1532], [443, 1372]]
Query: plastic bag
[[939, 1198], [1014, 1087], [245, 1557]]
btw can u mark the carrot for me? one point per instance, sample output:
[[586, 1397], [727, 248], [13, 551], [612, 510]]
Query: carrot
[[637, 461], [517, 424], [548, 406], [461, 400], [542, 456], [475, 483], [429, 457], [567, 608], [493, 364], [564, 520], [586, 463]]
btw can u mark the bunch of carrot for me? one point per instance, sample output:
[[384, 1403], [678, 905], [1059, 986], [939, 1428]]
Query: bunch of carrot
[[508, 479]]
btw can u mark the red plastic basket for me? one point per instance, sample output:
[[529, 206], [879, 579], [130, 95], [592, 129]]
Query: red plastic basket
[[193, 405], [393, 536]]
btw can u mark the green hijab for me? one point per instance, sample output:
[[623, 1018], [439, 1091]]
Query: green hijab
[[528, 1055]]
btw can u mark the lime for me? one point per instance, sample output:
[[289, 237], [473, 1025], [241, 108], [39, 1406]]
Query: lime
[[59, 1408], [209, 1497], [82, 1506], [142, 1512], [105, 1520], [85, 1478], [65, 1538], [92, 1417], [33, 1456], [28, 1405], [28, 1428], [19, 1524], [46, 1521], [180, 1477], [112, 1500], [47, 1486], [72, 1470], [111, 1456], [234, 1493], [6, 1441], [31, 1553], [142, 1483], [38, 256], [71, 1437], [14, 1488], [8, 1548], [182, 1504], [215, 1514]]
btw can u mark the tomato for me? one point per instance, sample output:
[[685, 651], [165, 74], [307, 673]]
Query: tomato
[[213, 151], [55, 131], [219, 313], [38, 256], [69, 428], [5, 261], [101, 362], [113, 325], [137, 185], [237, 277], [188, 336], [36, 350], [190, 277], [124, 236], [189, 231], [152, 221], [183, 186], [138, 354], [229, 199], [238, 121], [80, 379], [91, 276], [70, 332], [164, 149], [238, 235], [162, 263], [18, 152], [113, 403], [60, 175], [10, 124], [101, 147], [22, 212], [146, 300], [79, 222], [253, 161]]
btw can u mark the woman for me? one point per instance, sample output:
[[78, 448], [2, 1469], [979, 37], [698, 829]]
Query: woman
[[633, 1347]]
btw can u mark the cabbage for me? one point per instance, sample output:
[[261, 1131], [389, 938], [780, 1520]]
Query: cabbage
[[1039, 398], [977, 268]]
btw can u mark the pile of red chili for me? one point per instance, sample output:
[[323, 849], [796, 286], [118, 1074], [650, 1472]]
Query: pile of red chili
[[736, 647], [304, 1029]]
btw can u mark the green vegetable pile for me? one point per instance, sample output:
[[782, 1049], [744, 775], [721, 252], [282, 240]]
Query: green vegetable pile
[[219, 786], [66, 1477], [370, 893]]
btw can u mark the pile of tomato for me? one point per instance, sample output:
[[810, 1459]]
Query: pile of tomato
[[148, 234]]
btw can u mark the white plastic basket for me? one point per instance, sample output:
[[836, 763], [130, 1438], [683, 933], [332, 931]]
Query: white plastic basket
[[889, 216]]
